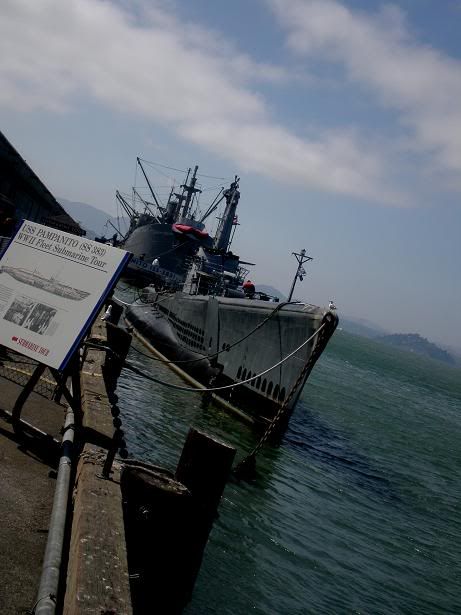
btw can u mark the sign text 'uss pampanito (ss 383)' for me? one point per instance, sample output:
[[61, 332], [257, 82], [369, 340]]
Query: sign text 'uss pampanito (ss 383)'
[[52, 285]]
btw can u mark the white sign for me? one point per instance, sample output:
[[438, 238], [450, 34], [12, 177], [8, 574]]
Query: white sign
[[52, 285]]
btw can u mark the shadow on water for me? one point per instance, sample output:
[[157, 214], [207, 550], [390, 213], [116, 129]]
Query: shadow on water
[[309, 436]]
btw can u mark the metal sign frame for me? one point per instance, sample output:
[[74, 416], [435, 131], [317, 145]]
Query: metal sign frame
[[52, 286]]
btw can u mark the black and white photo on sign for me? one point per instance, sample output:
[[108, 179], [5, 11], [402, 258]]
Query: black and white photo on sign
[[19, 309], [40, 319]]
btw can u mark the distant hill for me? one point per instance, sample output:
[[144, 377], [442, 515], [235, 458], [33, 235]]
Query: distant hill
[[361, 326], [454, 351], [413, 342], [92, 219], [270, 290], [357, 326]]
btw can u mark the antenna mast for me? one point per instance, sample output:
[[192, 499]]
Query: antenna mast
[[300, 271], [190, 190]]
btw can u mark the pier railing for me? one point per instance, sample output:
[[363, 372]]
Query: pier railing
[[18, 369]]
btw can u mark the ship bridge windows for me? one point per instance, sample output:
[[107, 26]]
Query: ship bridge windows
[[276, 391], [269, 388], [239, 372], [264, 385]]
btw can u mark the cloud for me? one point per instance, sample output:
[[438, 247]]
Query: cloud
[[144, 60], [380, 53]]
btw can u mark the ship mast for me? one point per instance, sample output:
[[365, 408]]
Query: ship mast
[[190, 190], [130, 212], [300, 271], [146, 204], [232, 195], [150, 187]]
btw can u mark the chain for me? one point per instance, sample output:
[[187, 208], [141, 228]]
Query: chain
[[331, 322]]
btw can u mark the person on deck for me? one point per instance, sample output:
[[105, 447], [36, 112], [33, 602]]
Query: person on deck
[[248, 288]]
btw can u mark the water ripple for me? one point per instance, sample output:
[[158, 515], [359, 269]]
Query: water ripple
[[356, 512]]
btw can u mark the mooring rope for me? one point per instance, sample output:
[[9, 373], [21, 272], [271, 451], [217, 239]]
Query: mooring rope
[[204, 390], [139, 298], [217, 353], [124, 302]]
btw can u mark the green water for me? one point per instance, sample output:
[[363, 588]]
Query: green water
[[356, 512]]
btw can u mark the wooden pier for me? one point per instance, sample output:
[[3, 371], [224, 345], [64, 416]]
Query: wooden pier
[[114, 511]]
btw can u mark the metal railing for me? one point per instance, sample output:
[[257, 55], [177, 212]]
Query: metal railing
[[19, 368]]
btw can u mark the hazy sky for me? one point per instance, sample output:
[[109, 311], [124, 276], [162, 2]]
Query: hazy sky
[[343, 119]]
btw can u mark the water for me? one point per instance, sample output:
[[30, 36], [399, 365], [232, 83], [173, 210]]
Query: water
[[356, 512]]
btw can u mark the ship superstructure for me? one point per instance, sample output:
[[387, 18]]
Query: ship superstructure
[[221, 332], [163, 238]]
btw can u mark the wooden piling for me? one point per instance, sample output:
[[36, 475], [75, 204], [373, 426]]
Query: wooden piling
[[157, 512], [204, 468], [119, 341], [168, 520]]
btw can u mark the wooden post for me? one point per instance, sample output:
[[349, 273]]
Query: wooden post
[[119, 341], [168, 520], [204, 468], [157, 512]]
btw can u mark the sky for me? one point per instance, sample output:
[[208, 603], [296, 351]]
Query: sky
[[342, 118]]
